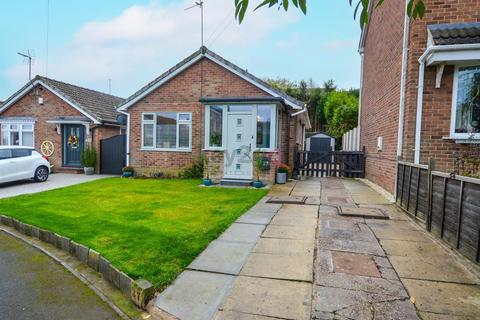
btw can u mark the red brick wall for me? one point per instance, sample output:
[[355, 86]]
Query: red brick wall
[[53, 107], [437, 103], [381, 91], [182, 93]]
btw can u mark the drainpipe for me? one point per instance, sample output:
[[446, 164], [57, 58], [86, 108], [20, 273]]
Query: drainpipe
[[403, 84], [418, 126], [127, 155], [287, 152]]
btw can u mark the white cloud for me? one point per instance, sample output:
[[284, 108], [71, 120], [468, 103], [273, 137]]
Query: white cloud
[[144, 40]]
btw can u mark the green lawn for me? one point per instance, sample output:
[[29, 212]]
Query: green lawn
[[149, 229]]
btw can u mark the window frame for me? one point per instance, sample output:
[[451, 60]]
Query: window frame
[[177, 140], [207, 127], [453, 116], [20, 130]]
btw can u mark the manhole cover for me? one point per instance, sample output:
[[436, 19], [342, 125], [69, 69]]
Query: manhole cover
[[337, 199], [287, 199], [372, 213]]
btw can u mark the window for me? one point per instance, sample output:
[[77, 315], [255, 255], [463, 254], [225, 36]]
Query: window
[[216, 126], [264, 123], [467, 101], [167, 130], [17, 134]]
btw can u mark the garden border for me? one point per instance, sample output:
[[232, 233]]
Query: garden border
[[139, 291]]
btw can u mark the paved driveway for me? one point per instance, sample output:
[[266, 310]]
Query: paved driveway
[[56, 180], [33, 286]]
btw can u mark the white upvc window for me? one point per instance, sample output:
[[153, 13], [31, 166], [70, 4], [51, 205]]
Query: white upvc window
[[167, 131], [17, 134], [215, 127], [465, 120]]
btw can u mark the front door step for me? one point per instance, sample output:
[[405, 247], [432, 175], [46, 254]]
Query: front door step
[[236, 182], [369, 213], [288, 199]]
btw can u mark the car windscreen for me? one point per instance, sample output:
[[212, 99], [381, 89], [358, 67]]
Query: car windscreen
[[18, 153], [5, 154]]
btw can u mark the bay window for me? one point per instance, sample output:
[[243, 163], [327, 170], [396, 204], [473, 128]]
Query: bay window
[[167, 131], [17, 134], [466, 103]]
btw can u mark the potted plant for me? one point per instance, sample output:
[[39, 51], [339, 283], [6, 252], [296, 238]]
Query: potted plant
[[88, 159], [282, 173], [257, 162], [207, 181], [127, 172]]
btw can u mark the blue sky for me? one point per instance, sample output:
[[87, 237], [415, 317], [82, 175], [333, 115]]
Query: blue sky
[[131, 42]]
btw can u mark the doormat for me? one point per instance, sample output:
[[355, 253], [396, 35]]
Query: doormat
[[287, 199], [369, 213]]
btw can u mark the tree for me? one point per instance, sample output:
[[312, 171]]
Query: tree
[[415, 8], [330, 85], [341, 112]]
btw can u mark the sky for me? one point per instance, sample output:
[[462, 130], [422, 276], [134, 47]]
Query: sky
[[133, 41]]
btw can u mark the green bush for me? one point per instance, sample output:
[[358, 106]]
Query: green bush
[[88, 157], [194, 171]]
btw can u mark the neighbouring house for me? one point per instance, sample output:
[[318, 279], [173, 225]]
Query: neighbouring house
[[420, 87], [59, 119], [207, 105]]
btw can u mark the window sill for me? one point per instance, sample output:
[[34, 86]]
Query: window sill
[[463, 140], [165, 150]]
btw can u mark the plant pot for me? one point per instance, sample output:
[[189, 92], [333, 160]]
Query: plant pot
[[127, 174], [207, 182], [89, 170], [281, 177], [257, 184]]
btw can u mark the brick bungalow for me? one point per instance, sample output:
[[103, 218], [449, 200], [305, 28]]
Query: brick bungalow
[[205, 104], [419, 87], [50, 113]]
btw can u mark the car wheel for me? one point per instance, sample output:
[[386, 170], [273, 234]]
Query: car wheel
[[41, 174]]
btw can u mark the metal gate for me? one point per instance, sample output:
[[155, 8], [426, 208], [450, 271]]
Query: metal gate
[[112, 154], [348, 164]]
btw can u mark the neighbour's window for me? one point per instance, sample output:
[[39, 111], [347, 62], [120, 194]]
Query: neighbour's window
[[167, 130], [17, 134], [5, 154], [264, 123], [467, 104], [216, 126]]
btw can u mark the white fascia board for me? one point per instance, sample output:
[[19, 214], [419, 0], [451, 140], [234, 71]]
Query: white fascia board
[[457, 49], [158, 84], [255, 83], [458, 55], [37, 82]]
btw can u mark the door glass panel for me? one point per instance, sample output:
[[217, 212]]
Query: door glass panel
[[264, 120], [183, 135], [167, 130], [216, 126], [239, 108]]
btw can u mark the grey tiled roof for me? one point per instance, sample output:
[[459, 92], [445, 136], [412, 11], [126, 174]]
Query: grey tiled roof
[[206, 52], [100, 106], [455, 33]]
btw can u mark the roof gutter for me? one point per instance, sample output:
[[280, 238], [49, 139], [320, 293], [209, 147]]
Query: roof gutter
[[421, 77]]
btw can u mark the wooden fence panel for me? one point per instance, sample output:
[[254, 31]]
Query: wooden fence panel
[[330, 164]]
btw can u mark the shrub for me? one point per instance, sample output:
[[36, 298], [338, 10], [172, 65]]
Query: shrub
[[283, 168], [128, 169], [194, 171], [88, 157]]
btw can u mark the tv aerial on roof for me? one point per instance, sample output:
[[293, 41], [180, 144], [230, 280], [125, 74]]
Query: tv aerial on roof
[[198, 4]]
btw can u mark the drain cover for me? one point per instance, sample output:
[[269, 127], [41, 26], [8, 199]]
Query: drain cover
[[372, 213], [287, 199]]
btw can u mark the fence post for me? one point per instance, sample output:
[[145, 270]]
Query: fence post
[[431, 167], [460, 207]]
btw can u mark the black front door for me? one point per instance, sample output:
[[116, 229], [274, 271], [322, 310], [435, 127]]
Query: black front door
[[73, 143]]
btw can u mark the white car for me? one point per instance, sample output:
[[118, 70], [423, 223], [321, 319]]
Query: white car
[[22, 163]]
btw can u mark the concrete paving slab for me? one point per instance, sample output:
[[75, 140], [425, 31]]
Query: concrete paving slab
[[284, 246], [351, 246], [445, 298], [390, 233], [254, 217], [436, 316], [355, 264], [437, 268], [362, 283], [333, 223], [232, 315], [352, 235], [298, 211], [241, 232], [223, 256], [313, 200], [278, 266], [288, 221], [289, 232], [288, 199], [370, 213], [413, 249], [195, 295], [359, 305], [271, 298]]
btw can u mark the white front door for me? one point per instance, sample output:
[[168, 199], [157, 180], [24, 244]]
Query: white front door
[[240, 144]]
